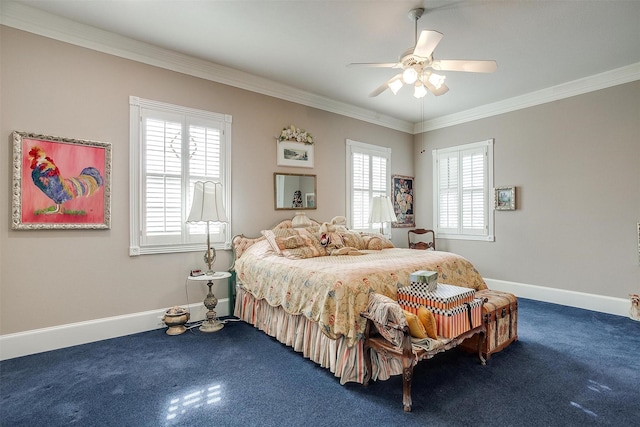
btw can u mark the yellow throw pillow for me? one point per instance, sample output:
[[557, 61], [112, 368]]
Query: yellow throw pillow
[[428, 320], [415, 326]]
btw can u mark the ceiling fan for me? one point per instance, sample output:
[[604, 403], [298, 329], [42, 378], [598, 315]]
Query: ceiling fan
[[418, 65]]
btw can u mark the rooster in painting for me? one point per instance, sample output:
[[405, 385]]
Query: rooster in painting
[[46, 176]]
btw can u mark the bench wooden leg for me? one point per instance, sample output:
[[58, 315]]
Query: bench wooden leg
[[481, 340], [407, 375]]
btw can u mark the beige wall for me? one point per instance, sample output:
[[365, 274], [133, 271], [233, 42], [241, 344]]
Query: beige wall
[[56, 277], [576, 165]]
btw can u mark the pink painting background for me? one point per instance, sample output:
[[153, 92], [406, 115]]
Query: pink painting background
[[70, 160]]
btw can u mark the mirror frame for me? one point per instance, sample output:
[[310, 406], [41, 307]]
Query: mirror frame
[[275, 191]]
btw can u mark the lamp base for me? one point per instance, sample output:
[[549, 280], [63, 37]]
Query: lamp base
[[212, 324]]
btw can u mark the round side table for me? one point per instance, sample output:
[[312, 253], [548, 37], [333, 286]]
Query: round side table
[[211, 324]]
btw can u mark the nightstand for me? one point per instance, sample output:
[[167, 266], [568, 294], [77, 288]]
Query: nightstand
[[211, 324]]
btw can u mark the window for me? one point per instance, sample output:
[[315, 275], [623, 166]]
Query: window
[[462, 179], [368, 168], [172, 147]]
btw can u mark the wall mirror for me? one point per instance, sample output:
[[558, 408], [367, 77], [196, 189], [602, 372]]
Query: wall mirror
[[294, 191]]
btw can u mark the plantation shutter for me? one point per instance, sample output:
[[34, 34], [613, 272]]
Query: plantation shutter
[[361, 189], [368, 174], [163, 174], [462, 179], [474, 191], [448, 192], [177, 147]]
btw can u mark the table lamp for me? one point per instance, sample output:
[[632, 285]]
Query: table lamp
[[381, 211], [207, 207]]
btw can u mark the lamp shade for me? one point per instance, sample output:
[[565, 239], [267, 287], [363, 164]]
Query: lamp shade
[[207, 203], [382, 210]]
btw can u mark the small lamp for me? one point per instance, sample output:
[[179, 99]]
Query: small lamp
[[382, 211], [395, 85], [207, 207]]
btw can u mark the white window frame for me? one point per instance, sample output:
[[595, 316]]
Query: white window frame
[[193, 237], [371, 150], [484, 233]]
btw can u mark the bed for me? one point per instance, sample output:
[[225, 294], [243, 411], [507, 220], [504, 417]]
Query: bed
[[307, 286]]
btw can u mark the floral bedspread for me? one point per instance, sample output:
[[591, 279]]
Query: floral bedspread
[[334, 290]]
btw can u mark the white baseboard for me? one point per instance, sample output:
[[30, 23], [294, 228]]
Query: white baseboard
[[46, 339], [601, 303]]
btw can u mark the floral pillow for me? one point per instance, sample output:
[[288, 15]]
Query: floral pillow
[[294, 243], [352, 239], [376, 242]]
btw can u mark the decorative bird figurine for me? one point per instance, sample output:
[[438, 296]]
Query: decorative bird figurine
[[46, 176]]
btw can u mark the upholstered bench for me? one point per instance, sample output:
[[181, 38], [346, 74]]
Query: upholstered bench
[[387, 333]]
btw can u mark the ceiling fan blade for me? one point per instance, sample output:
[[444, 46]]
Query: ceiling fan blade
[[375, 64], [427, 43], [384, 86], [463, 65]]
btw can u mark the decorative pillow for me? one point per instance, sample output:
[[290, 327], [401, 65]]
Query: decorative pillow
[[375, 241], [299, 253], [292, 242], [429, 321], [276, 238], [352, 239], [295, 243], [383, 310], [310, 235], [416, 328]]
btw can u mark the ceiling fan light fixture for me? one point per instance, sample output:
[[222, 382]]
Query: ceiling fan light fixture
[[416, 64], [410, 76], [395, 85], [419, 91], [437, 80]]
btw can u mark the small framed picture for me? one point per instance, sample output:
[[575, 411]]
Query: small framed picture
[[295, 154], [310, 200], [505, 198]]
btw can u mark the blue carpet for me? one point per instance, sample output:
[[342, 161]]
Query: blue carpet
[[571, 367]]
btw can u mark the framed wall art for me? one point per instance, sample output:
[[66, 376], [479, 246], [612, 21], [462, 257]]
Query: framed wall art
[[297, 154], [310, 200], [60, 183], [402, 198], [505, 198]]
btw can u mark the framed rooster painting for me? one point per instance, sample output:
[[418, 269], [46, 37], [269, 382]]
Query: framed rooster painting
[[60, 183]]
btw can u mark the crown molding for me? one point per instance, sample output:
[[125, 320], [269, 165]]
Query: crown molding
[[604, 80], [45, 24]]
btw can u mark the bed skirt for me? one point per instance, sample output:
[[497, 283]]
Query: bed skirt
[[304, 336]]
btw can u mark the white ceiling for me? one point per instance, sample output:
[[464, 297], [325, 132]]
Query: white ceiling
[[307, 44]]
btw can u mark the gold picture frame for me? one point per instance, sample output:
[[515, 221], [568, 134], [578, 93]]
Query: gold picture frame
[[60, 183], [505, 198]]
